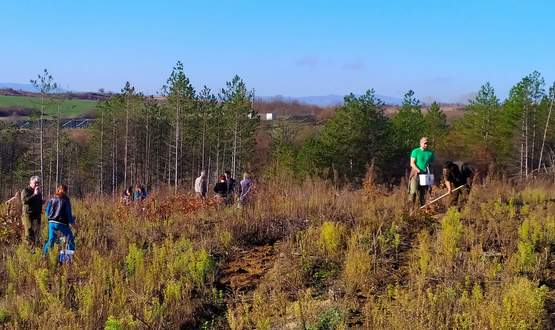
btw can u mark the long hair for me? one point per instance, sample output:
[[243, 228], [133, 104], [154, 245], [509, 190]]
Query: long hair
[[61, 191]]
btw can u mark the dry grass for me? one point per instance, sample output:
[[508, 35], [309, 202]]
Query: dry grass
[[306, 255]]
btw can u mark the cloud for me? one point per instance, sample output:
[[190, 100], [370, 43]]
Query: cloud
[[354, 65], [308, 61]]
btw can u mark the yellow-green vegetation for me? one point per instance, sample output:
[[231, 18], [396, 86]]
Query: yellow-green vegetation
[[341, 259]]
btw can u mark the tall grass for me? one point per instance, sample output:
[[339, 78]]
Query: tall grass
[[342, 259]]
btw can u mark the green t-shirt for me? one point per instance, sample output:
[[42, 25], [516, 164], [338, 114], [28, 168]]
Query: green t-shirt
[[423, 158]]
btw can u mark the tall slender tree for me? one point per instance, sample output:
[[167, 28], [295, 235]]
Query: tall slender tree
[[45, 85]]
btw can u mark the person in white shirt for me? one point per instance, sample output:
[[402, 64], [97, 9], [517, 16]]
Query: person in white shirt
[[200, 185]]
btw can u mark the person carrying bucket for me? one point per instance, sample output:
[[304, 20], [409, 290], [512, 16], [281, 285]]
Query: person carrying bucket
[[58, 212], [420, 179]]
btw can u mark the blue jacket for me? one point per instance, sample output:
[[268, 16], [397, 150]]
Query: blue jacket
[[58, 210]]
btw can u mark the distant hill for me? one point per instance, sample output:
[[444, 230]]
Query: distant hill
[[18, 87], [326, 100], [24, 87]]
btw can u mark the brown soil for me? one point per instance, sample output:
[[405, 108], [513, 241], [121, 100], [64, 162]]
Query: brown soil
[[245, 270]]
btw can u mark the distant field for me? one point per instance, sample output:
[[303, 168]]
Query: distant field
[[69, 108]]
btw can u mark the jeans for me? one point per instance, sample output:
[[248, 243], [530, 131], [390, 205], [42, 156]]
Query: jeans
[[65, 230]]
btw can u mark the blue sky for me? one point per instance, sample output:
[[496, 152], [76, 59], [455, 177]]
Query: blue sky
[[440, 49]]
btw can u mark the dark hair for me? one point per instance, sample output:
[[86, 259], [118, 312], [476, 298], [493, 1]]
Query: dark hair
[[228, 172], [61, 191], [448, 163]]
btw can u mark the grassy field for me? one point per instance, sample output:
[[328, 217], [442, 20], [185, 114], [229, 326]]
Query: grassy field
[[303, 256], [70, 108]]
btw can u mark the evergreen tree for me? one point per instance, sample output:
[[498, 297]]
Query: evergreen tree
[[435, 124], [240, 122], [351, 139], [476, 135], [181, 97]]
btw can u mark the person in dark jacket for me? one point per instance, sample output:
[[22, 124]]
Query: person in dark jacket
[[140, 193], [60, 217], [221, 189], [454, 177], [31, 200], [230, 181], [127, 196]]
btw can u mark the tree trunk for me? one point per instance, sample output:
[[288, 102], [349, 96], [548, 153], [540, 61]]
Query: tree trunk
[[545, 132], [176, 142], [126, 143], [41, 137]]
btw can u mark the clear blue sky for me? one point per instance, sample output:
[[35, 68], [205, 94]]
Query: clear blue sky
[[443, 49]]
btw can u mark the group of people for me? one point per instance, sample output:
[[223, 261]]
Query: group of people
[[137, 195], [457, 177], [226, 189], [28, 204]]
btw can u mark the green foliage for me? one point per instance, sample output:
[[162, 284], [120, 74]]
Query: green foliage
[[331, 236], [523, 304], [4, 316], [390, 239], [435, 123], [134, 261], [350, 140], [408, 124], [529, 233], [451, 233], [113, 324], [477, 135], [423, 253], [329, 320], [358, 265]]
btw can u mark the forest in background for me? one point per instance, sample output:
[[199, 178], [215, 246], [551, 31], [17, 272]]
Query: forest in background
[[165, 142]]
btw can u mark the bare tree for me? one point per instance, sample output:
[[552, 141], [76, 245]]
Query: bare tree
[[45, 84]]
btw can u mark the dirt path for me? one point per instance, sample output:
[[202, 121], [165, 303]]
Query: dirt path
[[246, 269]]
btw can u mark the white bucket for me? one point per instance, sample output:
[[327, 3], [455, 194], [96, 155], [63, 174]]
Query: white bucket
[[426, 179], [65, 255]]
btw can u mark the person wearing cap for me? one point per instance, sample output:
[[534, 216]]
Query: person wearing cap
[[420, 160]]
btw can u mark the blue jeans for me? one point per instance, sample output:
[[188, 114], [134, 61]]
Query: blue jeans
[[54, 227]]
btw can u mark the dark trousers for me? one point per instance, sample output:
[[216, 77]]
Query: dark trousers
[[458, 198]]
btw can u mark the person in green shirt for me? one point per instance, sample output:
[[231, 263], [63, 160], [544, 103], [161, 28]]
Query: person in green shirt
[[420, 160]]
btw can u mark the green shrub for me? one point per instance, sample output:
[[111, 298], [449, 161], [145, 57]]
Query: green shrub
[[134, 261], [523, 303], [357, 266], [451, 233], [529, 233], [331, 236]]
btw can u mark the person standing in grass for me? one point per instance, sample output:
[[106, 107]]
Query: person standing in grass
[[221, 190], [245, 189], [31, 200], [200, 185], [230, 181], [140, 193], [60, 217], [14, 207], [421, 159]]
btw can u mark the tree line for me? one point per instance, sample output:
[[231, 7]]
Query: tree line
[[515, 138], [137, 139], [166, 142]]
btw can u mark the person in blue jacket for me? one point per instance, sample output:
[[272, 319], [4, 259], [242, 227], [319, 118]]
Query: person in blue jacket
[[60, 217]]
